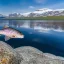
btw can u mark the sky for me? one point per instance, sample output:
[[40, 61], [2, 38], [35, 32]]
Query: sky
[[22, 6]]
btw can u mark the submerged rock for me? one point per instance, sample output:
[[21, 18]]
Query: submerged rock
[[32, 55], [8, 55]]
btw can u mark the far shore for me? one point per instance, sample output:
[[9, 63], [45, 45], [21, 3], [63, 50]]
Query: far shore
[[35, 18]]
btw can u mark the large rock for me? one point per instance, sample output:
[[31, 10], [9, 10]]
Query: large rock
[[8, 55], [32, 55], [29, 52]]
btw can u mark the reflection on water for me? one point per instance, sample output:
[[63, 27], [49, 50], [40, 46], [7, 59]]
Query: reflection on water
[[45, 35], [35, 24]]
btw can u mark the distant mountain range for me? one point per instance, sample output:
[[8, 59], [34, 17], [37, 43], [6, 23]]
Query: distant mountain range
[[45, 12], [38, 13]]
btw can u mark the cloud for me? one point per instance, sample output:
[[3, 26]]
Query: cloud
[[31, 7], [40, 1]]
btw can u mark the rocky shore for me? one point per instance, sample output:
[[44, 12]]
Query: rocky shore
[[26, 55]]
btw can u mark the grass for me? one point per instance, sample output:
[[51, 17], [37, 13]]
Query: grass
[[36, 18]]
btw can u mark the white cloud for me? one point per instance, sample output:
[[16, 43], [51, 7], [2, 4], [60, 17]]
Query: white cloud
[[40, 1], [31, 7]]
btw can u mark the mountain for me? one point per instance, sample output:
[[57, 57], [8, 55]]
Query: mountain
[[15, 15], [45, 12], [2, 16]]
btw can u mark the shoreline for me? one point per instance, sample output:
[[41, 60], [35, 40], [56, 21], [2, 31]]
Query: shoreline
[[35, 18]]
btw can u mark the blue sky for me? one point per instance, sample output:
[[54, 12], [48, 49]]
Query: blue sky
[[21, 6]]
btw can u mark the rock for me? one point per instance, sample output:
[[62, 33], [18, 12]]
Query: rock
[[42, 61], [51, 56], [32, 55], [8, 55], [29, 52]]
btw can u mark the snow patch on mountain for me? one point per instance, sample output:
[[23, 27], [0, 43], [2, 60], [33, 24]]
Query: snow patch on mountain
[[45, 12], [26, 14], [40, 11]]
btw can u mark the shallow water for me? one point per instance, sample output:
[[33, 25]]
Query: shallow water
[[46, 35]]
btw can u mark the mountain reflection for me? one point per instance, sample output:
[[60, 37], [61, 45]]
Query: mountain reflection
[[35, 24]]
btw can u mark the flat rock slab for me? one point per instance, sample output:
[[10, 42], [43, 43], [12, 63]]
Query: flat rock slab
[[8, 55], [32, 55]]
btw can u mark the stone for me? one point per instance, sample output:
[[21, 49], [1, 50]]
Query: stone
[[8, 55], [32, 55], [28, 52]]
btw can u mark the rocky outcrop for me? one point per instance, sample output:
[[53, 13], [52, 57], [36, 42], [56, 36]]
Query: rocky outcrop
[[8, 55], [32, 55], [26, 55]]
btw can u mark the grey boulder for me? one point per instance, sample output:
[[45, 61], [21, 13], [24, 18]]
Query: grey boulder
[[8, 55], [32, 55]]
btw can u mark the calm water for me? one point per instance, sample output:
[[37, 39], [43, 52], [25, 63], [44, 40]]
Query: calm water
[[48, 36]]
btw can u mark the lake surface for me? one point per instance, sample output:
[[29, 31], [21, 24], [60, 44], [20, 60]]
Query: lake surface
[[46, 35]]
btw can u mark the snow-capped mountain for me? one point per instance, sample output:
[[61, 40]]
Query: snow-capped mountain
[[45, 12], [26, 14], [40, 11]]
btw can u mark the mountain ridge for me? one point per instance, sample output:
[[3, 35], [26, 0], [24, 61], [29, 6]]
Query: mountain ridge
[[45, 12]]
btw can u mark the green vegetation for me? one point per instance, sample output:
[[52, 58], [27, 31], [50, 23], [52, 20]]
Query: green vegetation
[[37, 18]]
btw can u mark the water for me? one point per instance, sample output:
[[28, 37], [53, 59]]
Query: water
[[46, 35]]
